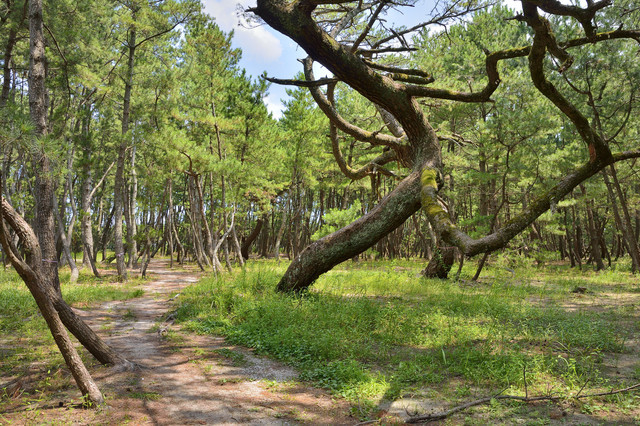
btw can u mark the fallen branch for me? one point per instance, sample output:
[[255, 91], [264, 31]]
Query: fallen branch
[[445, 414]]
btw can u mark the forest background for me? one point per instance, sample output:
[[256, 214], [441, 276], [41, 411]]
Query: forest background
[[151, 140]]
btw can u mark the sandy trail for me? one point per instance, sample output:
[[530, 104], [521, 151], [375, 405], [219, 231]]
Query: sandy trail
[[190, 379]]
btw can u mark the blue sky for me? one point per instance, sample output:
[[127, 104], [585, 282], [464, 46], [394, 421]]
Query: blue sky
[[264, 49]]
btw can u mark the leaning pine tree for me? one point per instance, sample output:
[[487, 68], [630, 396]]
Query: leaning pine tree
[[36, 262], [355, 54]]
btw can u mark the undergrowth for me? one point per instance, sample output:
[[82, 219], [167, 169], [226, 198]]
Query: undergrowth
[[382, 333], [24, 336]]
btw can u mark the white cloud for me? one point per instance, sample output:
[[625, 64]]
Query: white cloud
[[274, 107], [255, 42], [514, 4], [259, 43]]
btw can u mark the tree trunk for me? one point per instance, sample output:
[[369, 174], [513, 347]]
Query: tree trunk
[[105, 233], [41, 275], [236, 245], [130, 217], [283, 226], [169, 222], [66, 244], [324, 254], [37, 282], [86, 231], [627, 228], [593, 235], [246, 245], [198, 249], [119, 187], [441, 263]]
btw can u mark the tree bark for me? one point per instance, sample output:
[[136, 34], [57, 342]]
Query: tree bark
[[246, 245], [324, 254], [41, 274], [119, 186]]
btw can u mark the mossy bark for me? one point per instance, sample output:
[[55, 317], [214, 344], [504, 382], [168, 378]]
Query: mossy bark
[[324, 254], [421, 151]]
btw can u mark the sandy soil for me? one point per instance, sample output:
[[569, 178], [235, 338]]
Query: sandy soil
[[183, 379]]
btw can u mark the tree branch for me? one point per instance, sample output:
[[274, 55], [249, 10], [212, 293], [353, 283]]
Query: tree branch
[[301, 83], [374, 138], [542, 41], [453, 235], [374, 166]]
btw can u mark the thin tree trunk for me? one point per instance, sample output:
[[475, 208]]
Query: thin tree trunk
[[246, 245], [593, 234], [236, 245], [283, 226], [119, 187], [169, 221], [66, 244], [41, 276], [130, 217], [627, 228], [198, 249]]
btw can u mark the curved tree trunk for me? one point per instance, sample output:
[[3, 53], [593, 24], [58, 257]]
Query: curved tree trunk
[[324, 254], [246, 245], [40, 272]]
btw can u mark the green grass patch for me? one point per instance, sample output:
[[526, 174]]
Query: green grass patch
[[236, 358], [24, 336], [146, 396], [371, 333]]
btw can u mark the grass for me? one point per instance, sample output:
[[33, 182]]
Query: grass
[[237, 359], [373, 332], [24, 336], [146, 396]]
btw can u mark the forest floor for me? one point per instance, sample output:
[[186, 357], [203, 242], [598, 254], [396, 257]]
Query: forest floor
[[183, 378], [380, 344]]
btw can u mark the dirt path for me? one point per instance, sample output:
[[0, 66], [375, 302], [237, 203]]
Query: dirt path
[[187, 379]]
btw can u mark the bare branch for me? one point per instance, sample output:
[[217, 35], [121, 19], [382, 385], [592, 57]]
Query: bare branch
[[398, 70], [366, 30], [370, 52], [104, 176], [374, 166], [301, 83], [374, 138], [584, 16], [543, 40], [492, 71]]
